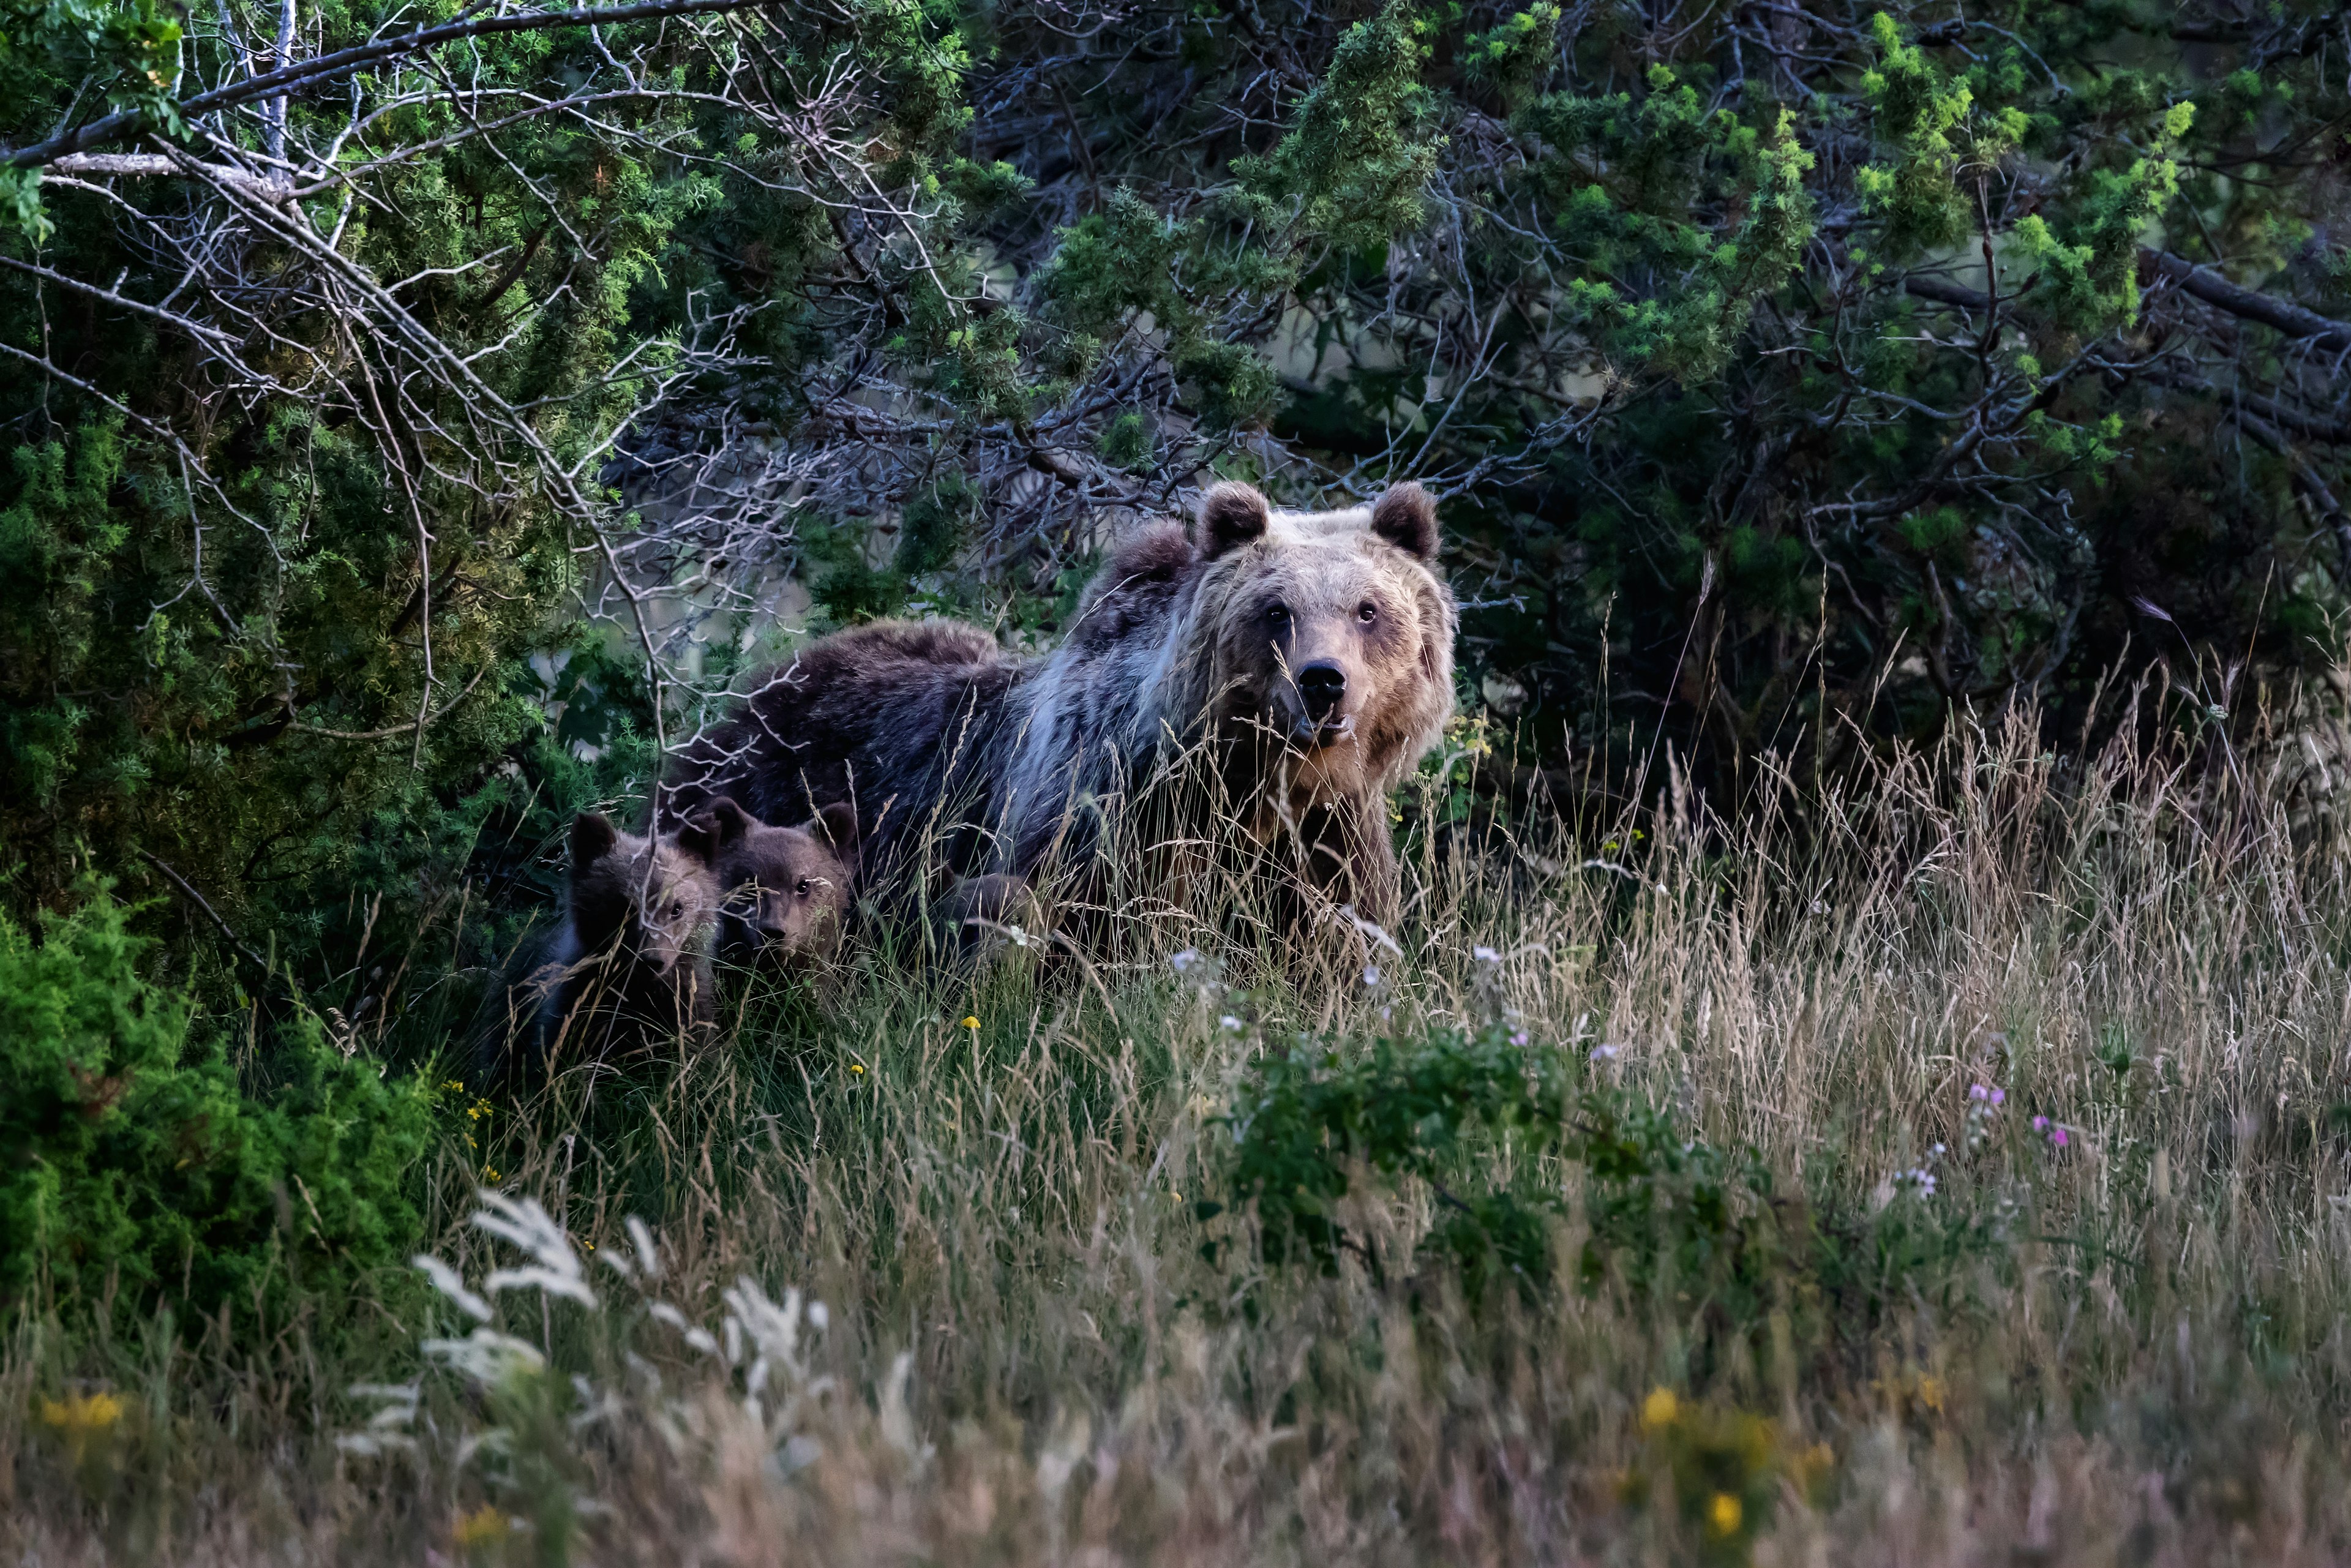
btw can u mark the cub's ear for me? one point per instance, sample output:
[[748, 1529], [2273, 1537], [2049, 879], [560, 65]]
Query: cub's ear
[[591, 838], [709, 831], [720, 823], [837, 825], [1230, 515], [1406, 518]]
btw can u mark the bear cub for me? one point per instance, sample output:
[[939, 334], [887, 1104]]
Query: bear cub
[[630, 966], [783, 892]]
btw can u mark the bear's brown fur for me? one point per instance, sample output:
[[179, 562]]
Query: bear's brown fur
[[629, 968], [1307, 657], [783, 892]]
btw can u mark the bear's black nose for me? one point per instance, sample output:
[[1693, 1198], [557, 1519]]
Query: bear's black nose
[[1321, 685]]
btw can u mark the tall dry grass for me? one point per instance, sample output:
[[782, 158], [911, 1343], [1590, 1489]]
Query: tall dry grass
[[1023, 1355]]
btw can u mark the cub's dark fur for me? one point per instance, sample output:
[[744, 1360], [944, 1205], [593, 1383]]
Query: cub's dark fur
[[628, 970]]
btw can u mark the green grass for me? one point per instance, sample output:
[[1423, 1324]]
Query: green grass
[[1034, 1347]]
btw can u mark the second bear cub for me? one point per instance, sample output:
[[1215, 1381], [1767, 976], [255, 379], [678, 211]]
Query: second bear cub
[[631, 964], [784, 892]]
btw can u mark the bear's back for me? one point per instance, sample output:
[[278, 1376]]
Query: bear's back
[[883, 715], [1135, 591]]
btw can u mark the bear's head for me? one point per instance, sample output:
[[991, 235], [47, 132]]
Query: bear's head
[[784, 892], [648, 900], [1332, 634]]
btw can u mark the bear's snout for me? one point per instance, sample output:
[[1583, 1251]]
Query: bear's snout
[[1318, 701], [1321, 687]]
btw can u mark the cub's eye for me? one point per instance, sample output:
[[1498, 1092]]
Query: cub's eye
[[803, 888], [676, 907], [1367, 612], [1277, 613]]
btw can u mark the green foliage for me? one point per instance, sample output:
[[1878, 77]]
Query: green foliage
[[1126, 442], [1668, 1217], [1516, 58], [932, 529], [124, 54], [1627, 177], [1924, 117], [848, 590], [1938, 534], [1110, 264], [55, 545], [20, 205], [932, 532], [135, 1168], [1403, 1110], [1360, 154]]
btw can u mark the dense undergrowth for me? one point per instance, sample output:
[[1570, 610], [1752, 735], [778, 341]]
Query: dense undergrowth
[[1957, 1171], [146, 1163]]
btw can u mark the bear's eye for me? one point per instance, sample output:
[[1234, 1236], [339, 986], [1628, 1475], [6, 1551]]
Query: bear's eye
[[676, 907], [803, 888], [1367, 612], [1277, 613]]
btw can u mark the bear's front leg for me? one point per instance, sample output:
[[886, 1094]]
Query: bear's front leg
[[980, 913]]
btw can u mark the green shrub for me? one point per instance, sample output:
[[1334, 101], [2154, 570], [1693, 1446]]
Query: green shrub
[[136, 1166], [1404, 1110], [1490, 1121]]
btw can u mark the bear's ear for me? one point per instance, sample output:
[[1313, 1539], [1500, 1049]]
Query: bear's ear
[[711, 830], [837, 825], [726, 823], [1230, 515], [591, 838], [1406, 518]]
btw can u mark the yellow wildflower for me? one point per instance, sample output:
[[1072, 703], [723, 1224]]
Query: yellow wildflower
[[1724, 1514], [1659, 1409], [80, 1417], [84, 1422], [485, 1526], [972, 1024], [1813, 1466], [858, 1068]]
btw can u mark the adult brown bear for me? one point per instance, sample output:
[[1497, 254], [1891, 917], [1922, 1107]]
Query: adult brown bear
[[1272, 671]]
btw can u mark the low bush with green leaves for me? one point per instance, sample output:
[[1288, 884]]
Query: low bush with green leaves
[[148, 1159], [1520, 1142]]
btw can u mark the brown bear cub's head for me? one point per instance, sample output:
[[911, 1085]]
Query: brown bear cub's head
[[784, 890], [649, 899], [1333, 633]]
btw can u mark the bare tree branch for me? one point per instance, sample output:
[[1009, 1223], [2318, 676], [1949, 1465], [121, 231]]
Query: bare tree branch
[[290, 78]]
